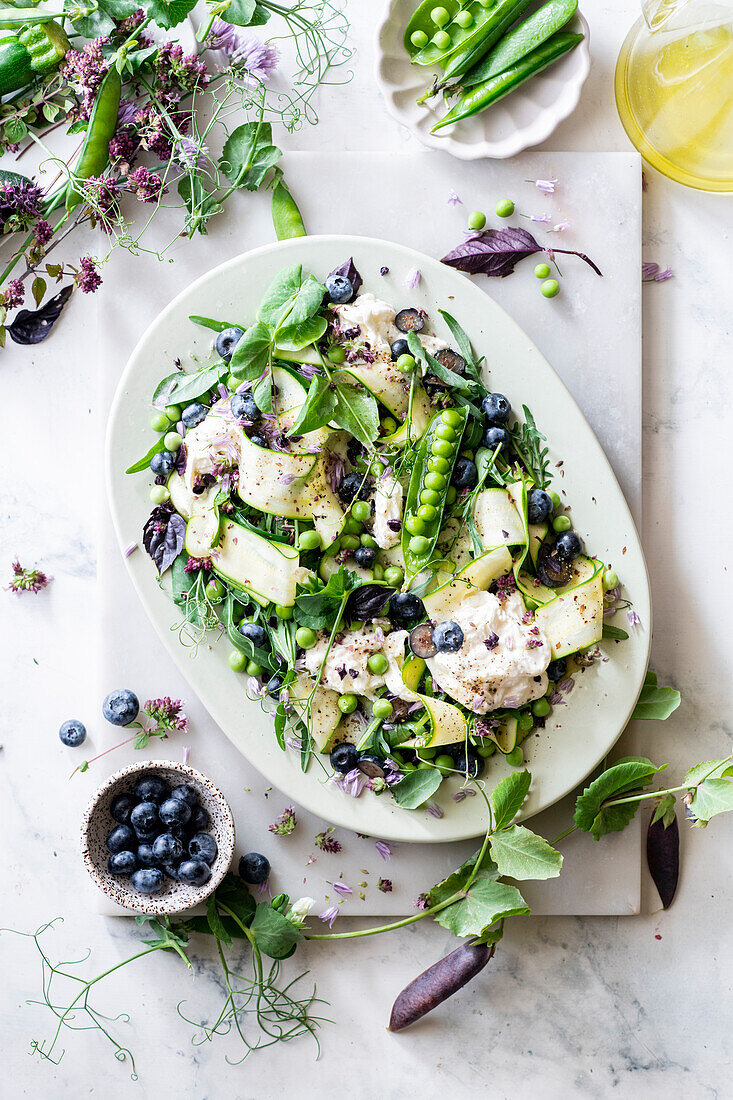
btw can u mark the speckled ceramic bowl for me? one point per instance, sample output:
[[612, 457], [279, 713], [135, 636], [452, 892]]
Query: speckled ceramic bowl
[[98, 822]]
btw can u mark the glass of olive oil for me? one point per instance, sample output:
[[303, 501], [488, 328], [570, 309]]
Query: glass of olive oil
[[674, 90]]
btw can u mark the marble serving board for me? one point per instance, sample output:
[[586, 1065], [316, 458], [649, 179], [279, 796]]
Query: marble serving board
[[591, 334]]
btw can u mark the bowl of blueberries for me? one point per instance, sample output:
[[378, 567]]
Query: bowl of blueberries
[[158, 837]]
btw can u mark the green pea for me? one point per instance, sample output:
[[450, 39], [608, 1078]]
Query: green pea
[[610, 580], [253, 669], [159, 494], [389, 425], [429, 496], [451, 495], [394, 576], [382, 708], [350, 542], [542, 271], [419, 545], [360, 511], [160, 423], [347, 704], [352, 524], [524, 721], [423, 765], [445, 763], [440, 17], [367, 540], [476, 220], [445, 431], [415, 525], [504, 209], [561, 523], [173, 441], [283, 611], [378, 572], [442, 40], [173, 412], [419, 39], [237, 613], [555, 498], [428, 512], [540, 708], [550, 288], [405, 363], [438, 464], [305, 637], [486, 750], [378, 664], [452, 417], [215, 589], [442, 448], [427, 753], [464, 19], [435, 481], [406, 767], [309, 540], [237, 661], [516, 757]]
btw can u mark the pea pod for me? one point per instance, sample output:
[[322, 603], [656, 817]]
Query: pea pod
[[496, 87], [36, 50], [502, 17], [426, 494], [461, 28], [286, 216], [102, 125], [527, 36]]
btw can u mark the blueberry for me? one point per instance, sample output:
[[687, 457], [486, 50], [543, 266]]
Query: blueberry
[[421, 641], [148, 880], [194, 872], [339, 288], [344, 758], [410, 320], [171, 870], [121, 807], [145, 856], [497, 408], [568, 545], [167, 848], [174, 811], [258, 440], [274, 686], [398, 348], [406, 606], [151, 788], [354, 485], [468, 761], [539, 506], [122, 863], [200, 820], [451, 359], [227, 341], [465, 474], [496, 436], [121, 707], [162, 463], [244, 407], [365, 556], [73, 733], [448, 637], [256, 633], [121, 839], [144, 819], [193, 414], [186, 792], [203, 846], [557, 670], [254, 868], [371, 765], [552, 570]]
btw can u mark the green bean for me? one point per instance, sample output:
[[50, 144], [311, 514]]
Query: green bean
[[102, 125], [286, 216]]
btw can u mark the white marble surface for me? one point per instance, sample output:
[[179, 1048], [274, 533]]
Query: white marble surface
[[570, 1006]]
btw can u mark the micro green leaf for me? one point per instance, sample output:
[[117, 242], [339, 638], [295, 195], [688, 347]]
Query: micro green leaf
[[274, 934], [519, 853], [508, 796]]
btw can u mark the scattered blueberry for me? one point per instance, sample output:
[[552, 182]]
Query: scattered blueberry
[[148, 880], [371, 765], [258, 440], [539, 506], [406, 606], [339, 288], [254, 868], [194, 872], [185, 792], [151, 788], [552, 570], [144, 819], [193, 414], [344, 758], [244, 407], [203, 846], [227, 341], [145, 855], [497, 436], [121, 839], [200, 820], [162, 463], [468, 761], [410, 320], [568, 545], [121, 807], [365, 556], [174, 811], [449, 358], [398, 348], [73, 733], [354, 485], [465, 474], [497, 408], [448, 637], [167, 848], [557, 670], [256, 633], [421, 641], [122, 863], [121, 707], [274, 686]]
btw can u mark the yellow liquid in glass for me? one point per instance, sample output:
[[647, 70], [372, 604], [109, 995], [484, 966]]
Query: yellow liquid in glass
[[674, 92]]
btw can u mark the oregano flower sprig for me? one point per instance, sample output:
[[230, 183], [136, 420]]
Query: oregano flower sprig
[[161, 717]]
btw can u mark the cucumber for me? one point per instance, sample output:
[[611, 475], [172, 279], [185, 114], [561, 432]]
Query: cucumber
[[537, 533], [526, 36], [183, 500], [584, 569], [307, 354], [274, 481], [203, 527], [505, 737], [497, 520], [322, 715], [447, 723], [476, 576], [574, 619], [422, 414], [266, 570], [384, 381]]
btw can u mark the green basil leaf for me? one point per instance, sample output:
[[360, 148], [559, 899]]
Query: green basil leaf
[[274, 934], [356, 412], [507, 797], [519, 853], [252, 354], [655, 702], [319, 407], [417, 787], [486, 902]]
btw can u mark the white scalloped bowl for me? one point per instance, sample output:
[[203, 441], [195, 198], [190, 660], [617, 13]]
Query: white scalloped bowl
[[524, 118]]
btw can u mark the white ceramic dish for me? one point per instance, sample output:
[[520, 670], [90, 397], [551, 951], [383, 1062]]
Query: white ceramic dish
[[521, 120], [577, 736]]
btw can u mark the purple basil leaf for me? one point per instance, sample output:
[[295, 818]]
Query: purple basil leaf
[[33, 325], [349, 270], [181, 460], [175, 537], [496, 252], [164, 535], [663, 858]]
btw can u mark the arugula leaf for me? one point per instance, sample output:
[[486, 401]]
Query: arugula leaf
[[507, 797], [711, 797], [318, 607], [417, 787], [356, 412], [655, 702], [191, 386], [297, 336], [486, 901], [275, 935], [318, 409], [252, 354], [627, 775], [520, 853], [528, 441]]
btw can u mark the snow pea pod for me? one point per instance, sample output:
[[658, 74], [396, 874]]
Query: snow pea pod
[[527, 36], [496, 87], [102, 125], [459, 29], [286, 216]]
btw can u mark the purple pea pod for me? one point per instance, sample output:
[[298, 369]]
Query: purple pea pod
[[663, 858], [439, 982]]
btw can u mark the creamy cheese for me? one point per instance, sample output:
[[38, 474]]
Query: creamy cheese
[[346, 665], [509, 671], [387, 508], [375, 318], [214, 443]]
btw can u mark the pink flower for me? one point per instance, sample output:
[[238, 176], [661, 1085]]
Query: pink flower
[[13, 294], [328, 916], [633, 619], [559, 228], [168, 713], [27, 580], [147, 185], [412, 278], [384, 849], [342, 889], [453, 199], [547, 187], [88, 278], [651, 273]]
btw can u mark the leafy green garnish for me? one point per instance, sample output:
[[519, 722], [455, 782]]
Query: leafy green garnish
[[319, 605], [614, 632], [593, 815], [528, 441], [655, 702], [484, 902], [508, 796], [519, 853], [416, 788]]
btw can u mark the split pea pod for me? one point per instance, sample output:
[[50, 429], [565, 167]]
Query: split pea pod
[[286, 216], [521, 40], [502, 17], [94, 153], [496, 87], [441, 28]]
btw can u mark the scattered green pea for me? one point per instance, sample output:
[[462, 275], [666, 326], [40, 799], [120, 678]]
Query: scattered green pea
[[427, 753], [360, 511], [610, 580], [389, 425], [451, 495], [486, 750], [160, 423], [382, 708], [419, 545], [476, 220], [237, 613], [442, 448], [215, 589], [378, 572], [561, 523], [430, 496], [438, 464], [542, 271], [541, 708], [283, 611], [368, 540], [336, 354], [173, 441], [550, 288], [305, 637], [555, 498], [173, 412], [415, 525], [348, 703], [444, 763], [435, 481], [464, 19], [394, 576], [350, 542], [378, 664], [428, 512], [406, 363], [423, 765], [419, 39], [309, 540], [253, 669], [352, 525], [237, 661], [159, 494], [504, 209], [515, 758]]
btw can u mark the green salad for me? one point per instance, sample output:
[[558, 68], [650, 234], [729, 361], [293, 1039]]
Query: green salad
[[373, 529]]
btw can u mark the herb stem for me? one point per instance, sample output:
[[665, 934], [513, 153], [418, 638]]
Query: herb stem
[[387, 927]]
